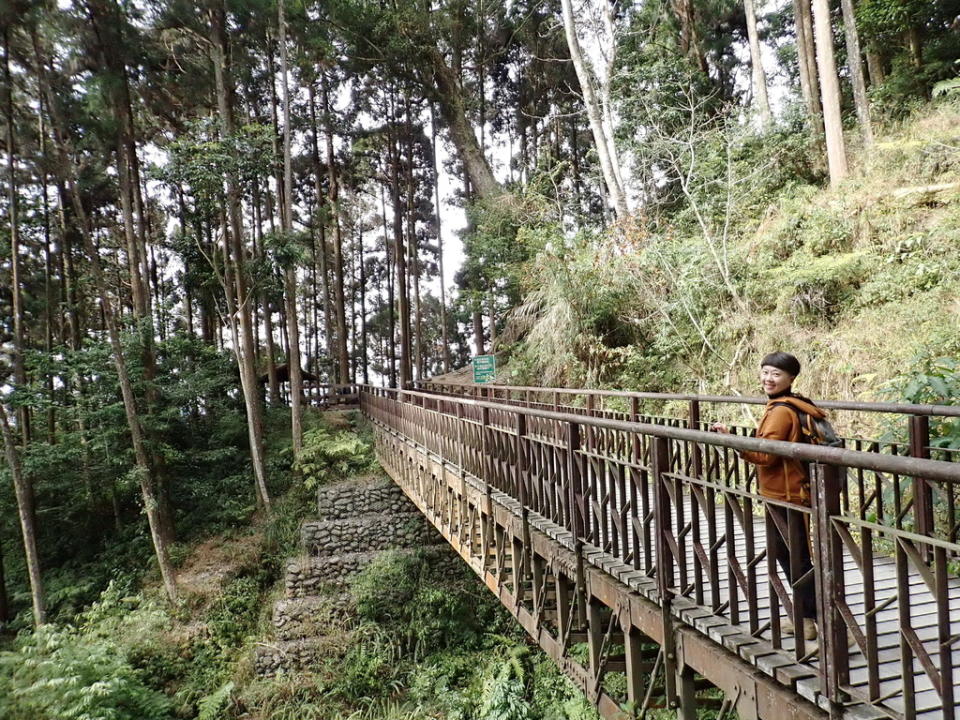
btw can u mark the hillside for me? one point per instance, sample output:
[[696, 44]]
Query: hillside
[[860, 280]]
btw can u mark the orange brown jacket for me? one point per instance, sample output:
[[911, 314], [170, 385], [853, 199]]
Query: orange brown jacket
[[782, 478]]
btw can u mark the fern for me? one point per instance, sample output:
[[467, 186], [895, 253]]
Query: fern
[[57, 674], [949, 88], [212, 706], [329, 456]]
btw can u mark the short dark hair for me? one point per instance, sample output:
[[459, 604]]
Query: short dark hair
[[785, 361]]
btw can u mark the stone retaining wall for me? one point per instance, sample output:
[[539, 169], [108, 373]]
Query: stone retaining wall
[[292, 656], [313, 575], [366, 533], [361, 497], [305, 617]]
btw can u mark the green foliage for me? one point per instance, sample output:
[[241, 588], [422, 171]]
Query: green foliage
[[817, 289], [504, 692], [57, 674], [935, 381], [212, 706], [947, 88], [398, 592], [330, 455], [201, 159]]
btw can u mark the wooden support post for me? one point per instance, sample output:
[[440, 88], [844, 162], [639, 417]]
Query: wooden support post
[[636, 671], [828, 565], [487, 525], [595, 645], [688, 694], [563, 611], [538, 572], [693, 422], [665, 565], [517, 566], [578, 506], [523, 463], [922, 490]]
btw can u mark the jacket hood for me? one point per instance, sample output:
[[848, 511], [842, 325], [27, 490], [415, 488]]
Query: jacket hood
[[800, 403]]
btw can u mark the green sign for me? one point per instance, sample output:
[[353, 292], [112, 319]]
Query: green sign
[[484, 368]]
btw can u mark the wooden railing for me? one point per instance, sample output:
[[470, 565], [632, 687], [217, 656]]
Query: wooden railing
[[678, 505], [925, 507], [326, 395]]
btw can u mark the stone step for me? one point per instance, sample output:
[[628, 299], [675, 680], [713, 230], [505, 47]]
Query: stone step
[[367, 533], [298, 618], [289, 656], [361, 496], [308, 575]]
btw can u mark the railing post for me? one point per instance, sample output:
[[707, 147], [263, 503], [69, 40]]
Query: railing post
[[660, 462], [693, 422], [487, 526], [829, 573], [922, 490], [465, 535], [521, 569], [576, 499]]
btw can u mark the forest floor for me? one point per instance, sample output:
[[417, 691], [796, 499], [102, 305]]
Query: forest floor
[[210, 563]]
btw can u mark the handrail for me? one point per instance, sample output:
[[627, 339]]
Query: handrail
[[877, 407], [912, 466]]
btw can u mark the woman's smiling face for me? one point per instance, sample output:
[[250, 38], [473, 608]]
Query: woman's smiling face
[[774, 380]]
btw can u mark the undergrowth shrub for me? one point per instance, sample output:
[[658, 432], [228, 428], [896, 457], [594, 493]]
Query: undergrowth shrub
[[331, 455], [424, 611], [58, 674]]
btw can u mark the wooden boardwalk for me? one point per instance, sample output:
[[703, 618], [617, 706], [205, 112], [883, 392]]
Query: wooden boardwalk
[[923, 618], [571, 528]]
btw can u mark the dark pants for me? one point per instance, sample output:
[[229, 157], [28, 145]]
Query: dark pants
[[788, 529]]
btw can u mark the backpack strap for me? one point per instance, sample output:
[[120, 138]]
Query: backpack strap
[[802, 417]]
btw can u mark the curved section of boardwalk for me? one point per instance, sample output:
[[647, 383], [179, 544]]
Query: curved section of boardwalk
[[636, 555]]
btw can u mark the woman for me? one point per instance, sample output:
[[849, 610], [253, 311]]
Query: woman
[[785, 479]]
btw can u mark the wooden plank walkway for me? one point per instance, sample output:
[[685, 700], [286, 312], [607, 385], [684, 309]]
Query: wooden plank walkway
[[923, 612]]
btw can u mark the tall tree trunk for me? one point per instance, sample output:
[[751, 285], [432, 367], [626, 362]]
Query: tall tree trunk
[[144, 471], [107, 20], [452, 106], [856, 71], [245, 351], [857, 79], [829, 92], [478, 332], [443, 293], [365, 358], [28, 521], [806, 57], [4, 597], [389, 248], [685, 11], [273, 383], [413, 248], [606, 151], [318, 191], [343, 356], [756, 65], [290, 272], [915, 45], [400, 256], [19, 367], [875, 68]]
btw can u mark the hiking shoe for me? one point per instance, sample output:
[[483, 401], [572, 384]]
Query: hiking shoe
[[809, 629], [786, 627]]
